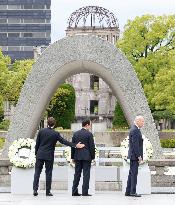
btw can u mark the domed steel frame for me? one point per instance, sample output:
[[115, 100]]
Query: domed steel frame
[[101, 14]]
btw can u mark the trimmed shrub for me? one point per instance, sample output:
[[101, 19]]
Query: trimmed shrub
[[2, 141], [119, 121], [4, 125], [167, 143], [62, 106]]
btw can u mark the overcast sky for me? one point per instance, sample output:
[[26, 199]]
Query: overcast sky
[[122, 9]]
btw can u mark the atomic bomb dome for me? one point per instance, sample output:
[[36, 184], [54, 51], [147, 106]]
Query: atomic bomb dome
[[92, 16], [94, 20]]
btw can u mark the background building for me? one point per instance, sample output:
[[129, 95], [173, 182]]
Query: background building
[[23, 25], [93, 96]]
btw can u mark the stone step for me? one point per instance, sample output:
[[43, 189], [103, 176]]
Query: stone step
[[99, 186]]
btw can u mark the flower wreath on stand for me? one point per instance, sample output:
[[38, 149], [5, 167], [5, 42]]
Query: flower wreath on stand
[[147, 149], [22, 153], [67, 154]]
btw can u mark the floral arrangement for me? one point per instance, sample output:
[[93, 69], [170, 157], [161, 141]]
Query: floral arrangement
[[67, 154], [22, 153], [147, 149]]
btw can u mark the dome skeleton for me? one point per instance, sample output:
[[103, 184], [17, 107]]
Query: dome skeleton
[[95, 12]]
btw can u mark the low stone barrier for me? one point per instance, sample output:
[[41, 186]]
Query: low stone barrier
[[159, 180], [5, 180]]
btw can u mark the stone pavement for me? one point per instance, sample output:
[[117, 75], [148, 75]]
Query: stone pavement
[[100, 198]]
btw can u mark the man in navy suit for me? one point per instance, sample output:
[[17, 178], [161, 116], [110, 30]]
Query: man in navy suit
[[44, 151], [135, 154], [83, 158]]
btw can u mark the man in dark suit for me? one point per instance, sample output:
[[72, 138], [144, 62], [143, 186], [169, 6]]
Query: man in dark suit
[[44, 151], [83, 158], [135, 154]]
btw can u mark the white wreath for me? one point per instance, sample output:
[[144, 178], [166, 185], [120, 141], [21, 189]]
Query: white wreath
[[67, 154], [147, 149], [22, 153]]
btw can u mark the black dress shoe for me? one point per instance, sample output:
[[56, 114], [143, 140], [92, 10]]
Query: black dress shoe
[[86, 195], [49, 194], [76, 194], [127, 194], [35, 193], [135, 195]]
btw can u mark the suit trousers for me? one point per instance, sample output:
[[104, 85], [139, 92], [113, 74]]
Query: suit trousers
[[79, 166], [38, 169], [132, 177]]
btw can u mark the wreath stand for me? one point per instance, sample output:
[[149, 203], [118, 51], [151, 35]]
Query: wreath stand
[[22, 180], [22, 156], [71, 171], [143, 178]]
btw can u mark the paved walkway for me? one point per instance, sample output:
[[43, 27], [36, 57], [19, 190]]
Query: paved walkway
[[112, 198]]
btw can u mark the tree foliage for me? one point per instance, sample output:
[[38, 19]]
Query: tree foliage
[[163, 96], [149, 44], [16, 78], [1, 108], [12, 78], [4, 63], [119, 120], [62, 106]]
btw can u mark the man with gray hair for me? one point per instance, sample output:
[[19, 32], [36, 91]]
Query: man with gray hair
[[135, 154]]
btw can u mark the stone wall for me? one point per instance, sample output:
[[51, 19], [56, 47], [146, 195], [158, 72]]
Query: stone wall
[[160, 179], [109, 138], [5, 168], [167, 135]]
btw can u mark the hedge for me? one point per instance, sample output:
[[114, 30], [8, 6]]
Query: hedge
[[167, 143], [2, 140]]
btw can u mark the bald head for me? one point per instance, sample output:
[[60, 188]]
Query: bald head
[[139, 121]]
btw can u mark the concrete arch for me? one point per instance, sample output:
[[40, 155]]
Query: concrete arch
[[72, 55]]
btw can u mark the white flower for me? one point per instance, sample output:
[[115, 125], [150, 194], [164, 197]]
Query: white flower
[[67, 154], [147, 148], [18, 161]]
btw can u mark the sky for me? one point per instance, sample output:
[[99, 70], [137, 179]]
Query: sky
[[122, 9]]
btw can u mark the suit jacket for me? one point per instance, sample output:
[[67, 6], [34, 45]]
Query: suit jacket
[[88, 152], [135, 143], [46, 141]]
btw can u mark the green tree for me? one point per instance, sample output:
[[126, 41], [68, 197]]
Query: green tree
[[12, 78], [4, 64], [147, 34], [163, 94], [62, 106], [1, 108], [149, 43], [15, 79], [119, 120]]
